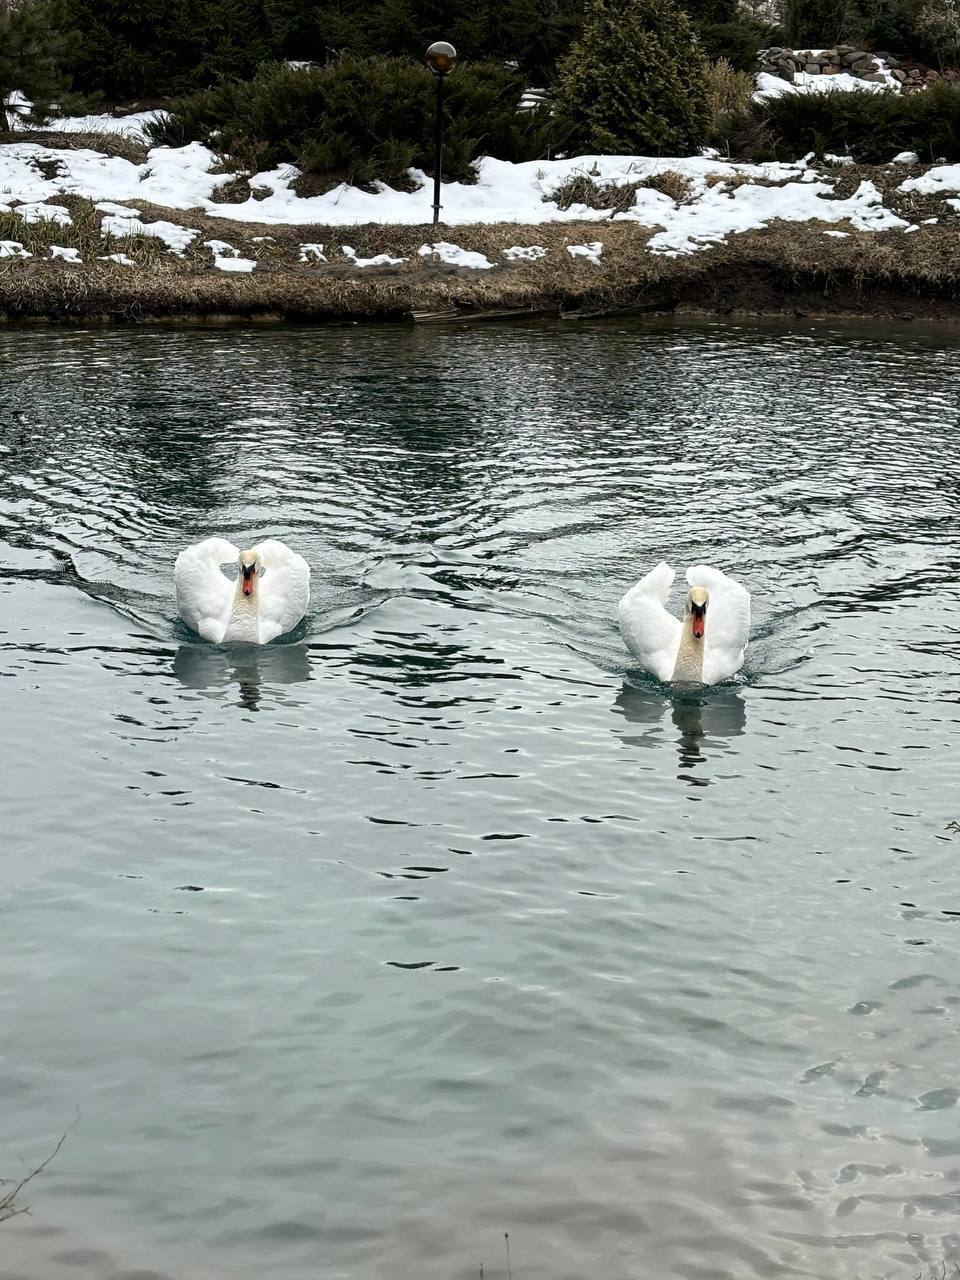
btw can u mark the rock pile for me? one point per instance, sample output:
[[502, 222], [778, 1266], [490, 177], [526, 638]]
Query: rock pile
[[880, 68]]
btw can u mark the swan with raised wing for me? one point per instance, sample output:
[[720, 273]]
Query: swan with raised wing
[[269, 597], [707, 646]]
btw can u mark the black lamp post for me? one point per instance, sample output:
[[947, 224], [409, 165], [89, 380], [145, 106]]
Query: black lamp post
[[441, 59]]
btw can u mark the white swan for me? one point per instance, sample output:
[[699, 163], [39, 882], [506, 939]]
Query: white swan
[[270, 596], [709, 644]]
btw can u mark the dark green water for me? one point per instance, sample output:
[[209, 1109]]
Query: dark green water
[[433, 922]]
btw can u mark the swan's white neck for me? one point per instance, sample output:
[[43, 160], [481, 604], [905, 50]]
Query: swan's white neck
[[689, 664], [244, 624]]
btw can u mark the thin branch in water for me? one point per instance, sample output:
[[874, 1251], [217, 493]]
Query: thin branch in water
[[506, 1236], [7, 1207]]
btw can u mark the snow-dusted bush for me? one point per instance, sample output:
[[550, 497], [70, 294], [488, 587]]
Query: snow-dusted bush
[[634, 82]]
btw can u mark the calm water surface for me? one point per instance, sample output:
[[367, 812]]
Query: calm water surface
[[435, 921]]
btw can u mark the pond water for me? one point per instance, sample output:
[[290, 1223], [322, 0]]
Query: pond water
[[434, 921]]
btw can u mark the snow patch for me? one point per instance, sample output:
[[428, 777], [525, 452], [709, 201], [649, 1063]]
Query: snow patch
[[122, 258], [13, 249], [66, 253], [118, 210], [312, 253], [44, 213], [380, 260], [941, 178], [718, 214], [525, 253], [220, 249], [234, 264], [771, 86], [591, 251], [905, 157], [130, 126], [454, 256], [175, 237]]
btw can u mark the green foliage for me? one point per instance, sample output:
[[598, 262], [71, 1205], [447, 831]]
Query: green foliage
[[33, 38], [872, 127], [738, 42], [633, 82], [361, 119], [158, 47], [924, 29], [532, 33], [938, 33], [703, 13], [815, 22]]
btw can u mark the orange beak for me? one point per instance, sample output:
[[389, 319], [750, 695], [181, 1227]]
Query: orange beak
[[699, 619], [249, 574]]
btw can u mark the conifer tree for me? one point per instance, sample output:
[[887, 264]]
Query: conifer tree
[[634, 82], [33, 39]]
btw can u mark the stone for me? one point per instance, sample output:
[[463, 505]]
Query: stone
[[899, 75], [812, 68], [831, 70], [933, 75]]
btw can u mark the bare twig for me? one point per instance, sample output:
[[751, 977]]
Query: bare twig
[[7, 1207]]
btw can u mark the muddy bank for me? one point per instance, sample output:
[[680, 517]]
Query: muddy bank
[[784, 270]]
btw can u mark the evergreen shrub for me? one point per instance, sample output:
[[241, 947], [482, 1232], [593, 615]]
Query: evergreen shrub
[[871, 127], [635, 82], [34, 36], [158, 47], [361, 119]]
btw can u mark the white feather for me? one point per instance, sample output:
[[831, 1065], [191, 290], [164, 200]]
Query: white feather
[[284, 589], [728, 622], [204, 593], [212, 605], [651, 633]]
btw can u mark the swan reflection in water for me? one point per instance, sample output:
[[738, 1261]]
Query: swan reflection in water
[[704, 717], [208, 667]]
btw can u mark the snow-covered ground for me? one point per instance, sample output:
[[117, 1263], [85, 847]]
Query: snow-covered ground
[[723, 199], [17, 107]]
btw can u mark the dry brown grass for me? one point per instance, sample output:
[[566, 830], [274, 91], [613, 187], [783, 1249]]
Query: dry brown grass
[[585, 189], [787, 268], [729, 93]]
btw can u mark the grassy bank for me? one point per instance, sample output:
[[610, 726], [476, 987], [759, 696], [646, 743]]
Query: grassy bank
[[310, 273], [787, 269]]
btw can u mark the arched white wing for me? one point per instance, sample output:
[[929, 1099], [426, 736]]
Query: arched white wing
[[728, 622], [651, 633], [204, 593], [283, 589]]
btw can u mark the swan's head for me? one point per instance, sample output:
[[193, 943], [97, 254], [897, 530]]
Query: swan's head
[[250, 566], [697, 600]]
